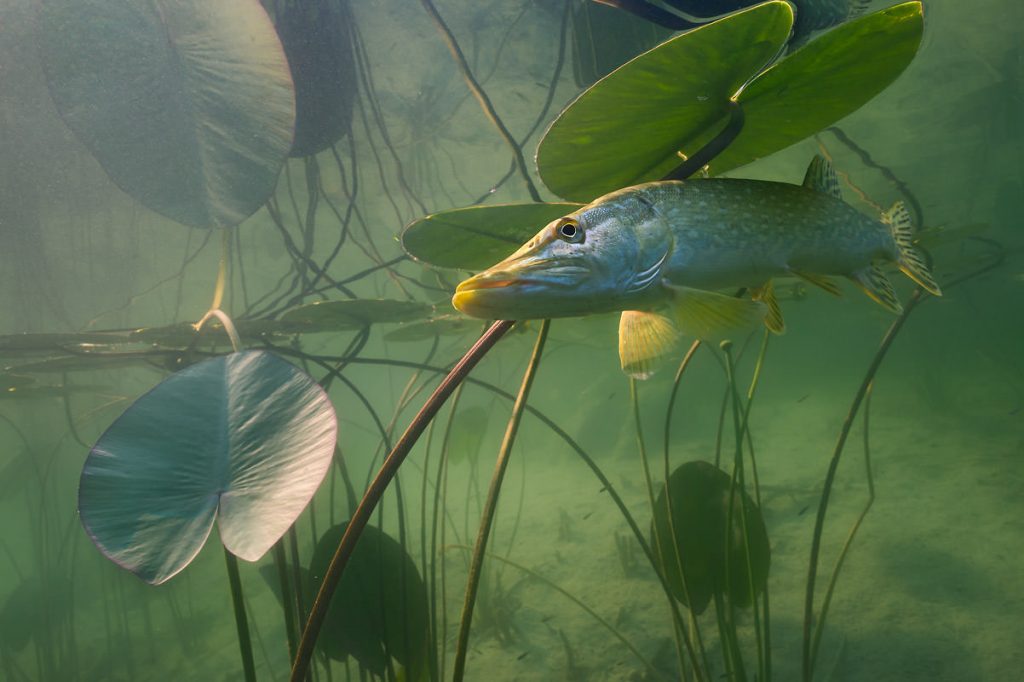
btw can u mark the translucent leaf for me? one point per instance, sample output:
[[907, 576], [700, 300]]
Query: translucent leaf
[[246, 435], [629, 126], [187, 104], [827, 79]]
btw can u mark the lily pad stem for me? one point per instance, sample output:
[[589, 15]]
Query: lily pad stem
[[481, 96], [376, 490], [491, 504], [229, 326], [244, 642]]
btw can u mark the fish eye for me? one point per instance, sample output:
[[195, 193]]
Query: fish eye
[[570, 231]]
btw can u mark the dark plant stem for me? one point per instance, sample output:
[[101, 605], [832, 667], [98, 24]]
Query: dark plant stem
[[491, 504], [481, 96], [819, 522], [376, 490], [244, 642], [713, 148], [287, 598]]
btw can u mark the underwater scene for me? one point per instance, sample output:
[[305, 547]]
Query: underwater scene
[[508, 340]]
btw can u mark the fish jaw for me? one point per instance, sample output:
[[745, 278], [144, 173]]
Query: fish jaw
[[525, 288]]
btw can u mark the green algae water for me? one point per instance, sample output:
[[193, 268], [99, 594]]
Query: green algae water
[[231, 233]]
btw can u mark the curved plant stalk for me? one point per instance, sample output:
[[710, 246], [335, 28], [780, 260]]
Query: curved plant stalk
[[491, 505], [694, 627], [833, 580], [575, 600], [222, 271], [679, 630], [376, 490], [716, 146], [481, 96], [819, 522]]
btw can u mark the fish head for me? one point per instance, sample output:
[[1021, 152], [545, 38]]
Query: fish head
[[584, 263]]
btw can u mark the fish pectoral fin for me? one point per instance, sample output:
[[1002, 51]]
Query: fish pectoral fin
[[874, 282], [645, 340], [711, 316], [821, 281], [773, 320]]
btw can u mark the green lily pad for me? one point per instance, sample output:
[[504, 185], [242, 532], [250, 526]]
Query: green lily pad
[[331, 316], [380, 606], [244, 438], [825, 80], [477, 237], [700, 495], [629, 126], [187, 105], [443, 325]]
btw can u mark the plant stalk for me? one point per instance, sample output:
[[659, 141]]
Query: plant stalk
[[244, 642], [376, 490], [491, 504]]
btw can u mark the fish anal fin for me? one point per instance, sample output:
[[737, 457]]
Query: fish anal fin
[[645, 340], [821, 177], [773, 320], [821, 281], [874, 282], [711, 316], [909, 258]]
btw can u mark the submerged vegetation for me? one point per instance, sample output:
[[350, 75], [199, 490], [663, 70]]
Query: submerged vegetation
[[315, 410]]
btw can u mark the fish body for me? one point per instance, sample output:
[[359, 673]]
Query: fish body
[[662, 249]]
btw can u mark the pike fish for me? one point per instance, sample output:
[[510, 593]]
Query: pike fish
[[659, 252]]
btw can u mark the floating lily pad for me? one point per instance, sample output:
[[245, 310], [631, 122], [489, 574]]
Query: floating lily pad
[[825, 80], [477, 237], [181, 334], [444, 325], [379, 608], [630, 125], [700, 495], [187, 104], [244, 438], [331, 316]]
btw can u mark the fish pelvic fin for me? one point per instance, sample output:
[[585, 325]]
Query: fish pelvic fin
[[645, 340], [874, 282], [773, 319], [711, 316], [909, 258], [821, 177]]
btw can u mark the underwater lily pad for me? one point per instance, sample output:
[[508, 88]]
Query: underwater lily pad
[[443, 325], [48, 342], [379, 608], [629, 127], [244, 438], [700, 508], [317, 39], [332, 316], [828, 78], [187, 104], [477, 237]]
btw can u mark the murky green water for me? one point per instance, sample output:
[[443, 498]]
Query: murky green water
[[931, 588]]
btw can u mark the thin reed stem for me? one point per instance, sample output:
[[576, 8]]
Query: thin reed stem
[[491, 505]]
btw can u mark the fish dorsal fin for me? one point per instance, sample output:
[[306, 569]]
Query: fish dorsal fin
[[773, 320], [909, 258], [873, 281], [645, 340], [820, 281], [712, 316], [821, 177]]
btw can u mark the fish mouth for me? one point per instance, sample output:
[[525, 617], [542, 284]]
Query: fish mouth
[[516, 290]]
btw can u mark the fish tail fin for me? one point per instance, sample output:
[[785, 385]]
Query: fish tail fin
[[908, 257]]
